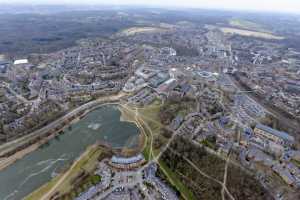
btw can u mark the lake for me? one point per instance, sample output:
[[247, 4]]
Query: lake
[[38, 167]]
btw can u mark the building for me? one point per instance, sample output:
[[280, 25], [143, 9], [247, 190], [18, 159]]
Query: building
[[19, 62], [176, 122], [292, 88], [145, 73], [167, 51], [275, 148], [268, 133], [167, 86], [284, 174], [127, 163], [3, 66], [295, 155], [158, 79], [123, 160]]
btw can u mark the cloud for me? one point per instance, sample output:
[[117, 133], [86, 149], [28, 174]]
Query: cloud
[[262, 5]]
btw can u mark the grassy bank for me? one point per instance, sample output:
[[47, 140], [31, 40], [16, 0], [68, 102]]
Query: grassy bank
[[63, 182], [175, 181], [150, 115], [128, 114]]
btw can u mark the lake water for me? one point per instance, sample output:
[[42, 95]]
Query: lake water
[[35, 169]]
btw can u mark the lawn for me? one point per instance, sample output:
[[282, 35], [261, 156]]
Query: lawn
[[128, 114], [150, 116], [134, 30], [42, 190], [246, 24], [248, 33], [151, 111], [146, 150]]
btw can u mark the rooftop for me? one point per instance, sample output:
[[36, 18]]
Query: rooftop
[[4, 62], [123, 160], [277, 133], [22, 61]]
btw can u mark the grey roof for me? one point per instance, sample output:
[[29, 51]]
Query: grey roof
[[130, 160], [4, 63], [185, 87], [277, 133]]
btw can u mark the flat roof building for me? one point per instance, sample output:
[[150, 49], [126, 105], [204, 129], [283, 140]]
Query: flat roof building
[[19, 62], [167, 86]]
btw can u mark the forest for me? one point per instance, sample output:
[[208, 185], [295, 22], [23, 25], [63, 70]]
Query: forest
[[241, 184]]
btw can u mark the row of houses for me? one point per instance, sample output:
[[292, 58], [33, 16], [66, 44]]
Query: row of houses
[[127, 163]]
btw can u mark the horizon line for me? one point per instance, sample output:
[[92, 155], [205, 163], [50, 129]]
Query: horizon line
[[184, 7]]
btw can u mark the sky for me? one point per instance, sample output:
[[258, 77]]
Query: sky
[[259, 5]]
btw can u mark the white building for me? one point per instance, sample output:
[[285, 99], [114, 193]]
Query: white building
[[21, 61]]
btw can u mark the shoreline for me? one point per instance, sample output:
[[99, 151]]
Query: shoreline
[[89, 106], [52, 185], [59, 177], [128, 117], [50, 134], [6, 162]]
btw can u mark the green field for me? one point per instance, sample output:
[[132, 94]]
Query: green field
[[248, 33], [246, 24]]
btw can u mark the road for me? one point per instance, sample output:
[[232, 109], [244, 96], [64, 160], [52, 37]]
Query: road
[[139, 119], [167, 146], [13, 144], [225, 180]]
